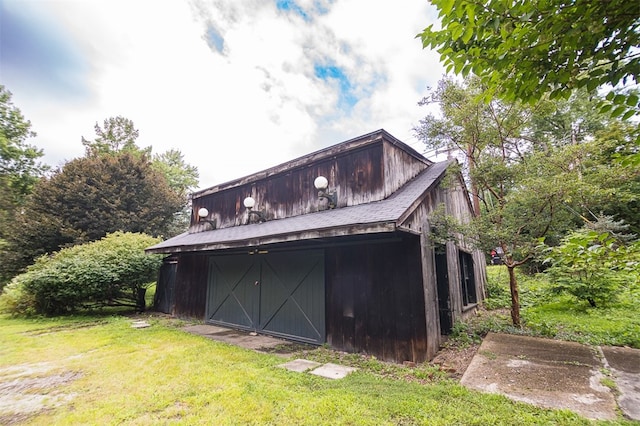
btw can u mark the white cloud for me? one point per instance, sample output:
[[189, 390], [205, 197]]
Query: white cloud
[[253, 105]]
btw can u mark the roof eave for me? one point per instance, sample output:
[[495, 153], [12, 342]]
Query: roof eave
[[311, 234]]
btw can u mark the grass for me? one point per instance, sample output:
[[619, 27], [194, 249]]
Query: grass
[[110, 373], [562, 316], [162, 375]]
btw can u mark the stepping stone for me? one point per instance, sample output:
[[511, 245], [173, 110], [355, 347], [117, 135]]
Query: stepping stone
[[140, 324], [300, 365], [333, 371]]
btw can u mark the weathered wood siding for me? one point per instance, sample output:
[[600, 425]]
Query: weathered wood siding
[[191, 286], [429, 289], [418, 222], [450, 193], [375, 299], [356, 176], [399, 168], [459, 206], [371, 171], [164, 298]]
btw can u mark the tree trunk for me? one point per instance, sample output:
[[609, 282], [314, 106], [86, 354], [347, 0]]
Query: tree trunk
[[141, 303], [475, 192], [515, 296]]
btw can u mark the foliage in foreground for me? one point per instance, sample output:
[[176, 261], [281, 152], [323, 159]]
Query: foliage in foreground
[[113, 271], [124, 375], [530, 49]]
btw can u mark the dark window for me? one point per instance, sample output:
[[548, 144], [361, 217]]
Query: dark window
[[467, 279]]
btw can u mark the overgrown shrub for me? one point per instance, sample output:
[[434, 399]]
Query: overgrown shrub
[[113, 271], [594, 266], [15, 300]]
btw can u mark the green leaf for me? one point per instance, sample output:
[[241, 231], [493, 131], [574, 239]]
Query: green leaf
[[456, 30], [632, 100], [446, 6], [606, 108], [618, 111], [592, 84], [471, 13], [467, 34], [619, 99], [627, 115]]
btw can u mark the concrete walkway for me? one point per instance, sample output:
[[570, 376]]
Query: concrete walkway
[[243, 339], [557, 374]]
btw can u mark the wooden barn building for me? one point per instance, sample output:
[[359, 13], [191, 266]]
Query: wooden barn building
[[350, 264]]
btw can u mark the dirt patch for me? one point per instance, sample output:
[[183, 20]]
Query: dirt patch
[[28, 389], [66, 327], [455, 359]]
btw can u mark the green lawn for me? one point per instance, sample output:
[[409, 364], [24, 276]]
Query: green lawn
[[562, 316], [99, 370], [111, 373]]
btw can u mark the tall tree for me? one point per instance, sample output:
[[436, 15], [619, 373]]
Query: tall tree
[[119, 134], [606, 183], [181, 177], [529, 181], [466, 126], [116, 134], [528, 49], [19, 165], [88, 198]]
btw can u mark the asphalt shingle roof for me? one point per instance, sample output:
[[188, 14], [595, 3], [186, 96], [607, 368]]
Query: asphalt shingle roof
[[385, 213]]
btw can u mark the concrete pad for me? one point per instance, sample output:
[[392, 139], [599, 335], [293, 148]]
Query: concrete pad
[[204, 329], [624, 364], [333, 371], [544, 372], [243, 339], [300, 365], [140, 324]]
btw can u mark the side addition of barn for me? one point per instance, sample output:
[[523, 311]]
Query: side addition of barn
[[348, 261]]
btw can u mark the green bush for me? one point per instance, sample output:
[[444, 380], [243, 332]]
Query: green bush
[[15, 300], [594, 266], [113, 271]]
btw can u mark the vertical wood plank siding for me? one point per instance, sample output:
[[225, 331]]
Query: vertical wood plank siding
[[359, 176], [400, 167], [375, 300], [453, 196], [191, 286]]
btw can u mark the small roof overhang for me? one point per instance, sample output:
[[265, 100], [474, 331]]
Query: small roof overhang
[[381, 216]]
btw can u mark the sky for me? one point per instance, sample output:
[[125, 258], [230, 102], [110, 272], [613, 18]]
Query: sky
[[237, 86]]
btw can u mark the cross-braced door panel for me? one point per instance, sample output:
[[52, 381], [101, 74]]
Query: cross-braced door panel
[[292, 295], [276, 293], [233, 291]]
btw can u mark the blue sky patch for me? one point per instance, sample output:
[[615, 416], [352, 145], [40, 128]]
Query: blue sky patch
[[321, 7], [214, 39], [37, 51], [347, 98], [292, 6]]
